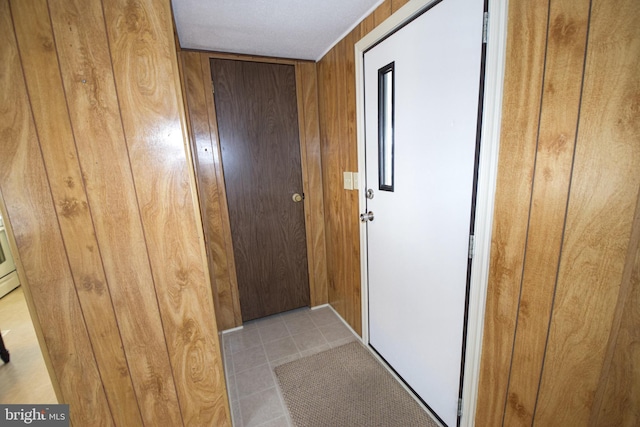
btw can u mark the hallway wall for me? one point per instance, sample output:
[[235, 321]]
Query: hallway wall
[[337, 99], [565, 264], [561, 320], [100, 197]]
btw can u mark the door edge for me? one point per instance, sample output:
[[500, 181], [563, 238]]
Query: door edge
[[487, 177]]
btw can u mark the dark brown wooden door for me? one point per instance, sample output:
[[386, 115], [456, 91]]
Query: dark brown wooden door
[[256, 107]]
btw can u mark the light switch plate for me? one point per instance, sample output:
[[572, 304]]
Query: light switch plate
[[348, 180], [355, 181]]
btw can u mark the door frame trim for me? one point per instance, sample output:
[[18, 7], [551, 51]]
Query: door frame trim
[[487, 176], [229, 315]]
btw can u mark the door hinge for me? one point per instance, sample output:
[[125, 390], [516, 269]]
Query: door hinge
[[485, 27], [459, 407], [472, 244], [212, 87]]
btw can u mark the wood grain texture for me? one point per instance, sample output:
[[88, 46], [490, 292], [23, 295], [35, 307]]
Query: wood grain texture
[[93, 107], [527, 27], [43, 387], [200, 208], [222, 191], [397, 4], [257, 115], [354, 313], [147, 82], [308, 225], [367, 24], [332, 169], [617, 399], [602, 204], [336, 82], [78, 210], [217, 214], [224, 293], [186, 67], [382, 12], [32, 214], [307, 94], [117, 250], [566, 44], [596, 249]]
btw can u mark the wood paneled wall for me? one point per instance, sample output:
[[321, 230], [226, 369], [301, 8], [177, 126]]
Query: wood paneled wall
[[311, 159], [336, 85], [564, 247], [561, 329], [96, 180], [211, 187], [196, 69]]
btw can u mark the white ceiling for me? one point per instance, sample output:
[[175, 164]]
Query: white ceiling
[[299, 29]]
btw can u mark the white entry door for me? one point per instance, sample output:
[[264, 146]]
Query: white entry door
[[422, 91]]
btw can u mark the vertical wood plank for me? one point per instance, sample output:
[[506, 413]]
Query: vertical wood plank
[[48, 101], [566, 44], [201, 189], [146, 75], [367, 24], [222, 205], [521, 118], [33, 316], [339, 153], [312, 177], [382, 12], [397, 4], [308, 224], [527, 28], [603, 198], [208, 189], [314, 171], [325, 92], [26, 191], [93, 108], [332, 151], [617, 400]]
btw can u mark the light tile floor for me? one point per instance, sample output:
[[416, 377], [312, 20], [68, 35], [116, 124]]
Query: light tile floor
[[25, 378], [253, 352]]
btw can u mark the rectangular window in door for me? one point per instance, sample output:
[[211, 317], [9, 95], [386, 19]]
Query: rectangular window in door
[[386, 119]]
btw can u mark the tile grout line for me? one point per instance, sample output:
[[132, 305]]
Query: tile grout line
[[273, 377], [273, 374], [317, 323]]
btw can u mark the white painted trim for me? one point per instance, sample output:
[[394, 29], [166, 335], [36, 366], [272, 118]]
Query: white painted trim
[[402, 15], [320, 306], [362, 187], [346, 324], [346, 33], [487, 175], [237, 328]]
